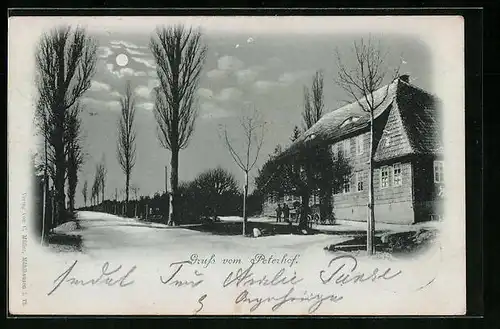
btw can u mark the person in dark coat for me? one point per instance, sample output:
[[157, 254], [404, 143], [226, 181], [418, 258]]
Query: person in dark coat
[[278, 213], [286, 213]]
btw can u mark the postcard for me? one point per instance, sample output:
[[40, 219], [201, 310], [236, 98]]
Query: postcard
[[236, 165]]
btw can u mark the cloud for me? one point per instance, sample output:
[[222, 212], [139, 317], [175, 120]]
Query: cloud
[[127, 44], [152, 74], [104, 52], [115, 94], [99, 86], [227, 94], [216, 74], [206, 93], [229, 63], [248, 75], [150, 63], [126, 71], [288, 78], [100, 104], [147, 106], [135, 52], [116, 46], [264, 86], [143, 91], [211, 111]]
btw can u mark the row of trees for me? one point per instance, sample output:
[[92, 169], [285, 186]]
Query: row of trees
[[65, 64]]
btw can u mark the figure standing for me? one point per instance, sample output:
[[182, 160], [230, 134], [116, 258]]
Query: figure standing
[[278, 213]]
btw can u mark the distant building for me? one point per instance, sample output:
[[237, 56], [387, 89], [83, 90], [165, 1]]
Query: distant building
[[408, 176]]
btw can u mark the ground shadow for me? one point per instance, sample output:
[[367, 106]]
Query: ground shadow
[[235, 228], [64, 242], [398, 244]]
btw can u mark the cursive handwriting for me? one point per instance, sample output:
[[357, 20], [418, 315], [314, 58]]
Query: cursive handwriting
[[105, 278], [245, 277], [315, 299], [341, 273], [173, 281]]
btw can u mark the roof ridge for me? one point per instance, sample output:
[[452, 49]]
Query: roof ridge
[[419, 89]]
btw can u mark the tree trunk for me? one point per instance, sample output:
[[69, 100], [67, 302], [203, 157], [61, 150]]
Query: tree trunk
[[370, 245], [174, 182], [127, 186], [245, 194], [304, 211], [60, 172], [325, 202]]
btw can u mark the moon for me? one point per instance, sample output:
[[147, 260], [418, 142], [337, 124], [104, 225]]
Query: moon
[[121, 60]]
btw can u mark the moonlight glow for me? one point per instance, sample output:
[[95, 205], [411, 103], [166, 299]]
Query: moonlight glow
[[121, 60]]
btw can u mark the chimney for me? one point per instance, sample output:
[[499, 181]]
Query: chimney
[[405, 78]]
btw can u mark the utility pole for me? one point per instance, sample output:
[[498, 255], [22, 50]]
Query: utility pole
[[116, 198]]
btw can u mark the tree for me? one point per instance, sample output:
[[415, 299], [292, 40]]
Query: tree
[[103, 172], [179, 57], [96, 187], [215, 187], [253, 128], [65, 64], [360, 82], [312, 113], [85, 192], [313, 102], [74, 151], [295, 134], [126, 137]]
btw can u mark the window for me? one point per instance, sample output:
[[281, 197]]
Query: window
[[349, 121], [438, 171], [360, 144], [346, 186], [384, 177], [359, 181], [396, 175], [347, 147]]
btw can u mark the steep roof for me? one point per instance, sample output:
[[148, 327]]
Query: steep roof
[[418, 116], [417, 109], [333, 125]]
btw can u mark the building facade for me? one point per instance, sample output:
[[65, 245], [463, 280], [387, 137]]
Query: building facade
[[408, 171]]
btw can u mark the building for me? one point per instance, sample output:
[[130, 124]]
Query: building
[[408, 176]]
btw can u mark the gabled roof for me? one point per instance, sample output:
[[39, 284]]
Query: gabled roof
[[417, 108], [331, 128]]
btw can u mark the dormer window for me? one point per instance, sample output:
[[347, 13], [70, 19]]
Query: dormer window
[[349, 121]]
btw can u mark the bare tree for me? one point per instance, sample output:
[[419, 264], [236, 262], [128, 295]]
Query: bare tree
[[96, 187], [85, 191], [313, 101], [135, 190], [368, 75], [253, 128], [65, 64], [179, 56], [126, 137], [103, 172], [74, 151]]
